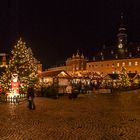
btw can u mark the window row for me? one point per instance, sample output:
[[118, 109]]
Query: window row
[[117, 64]]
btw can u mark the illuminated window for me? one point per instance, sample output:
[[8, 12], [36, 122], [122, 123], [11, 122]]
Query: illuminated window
[[73, 68], [123, 64], [130, 54], [136, 63], [118, 64], [130, 63], [112, 65]]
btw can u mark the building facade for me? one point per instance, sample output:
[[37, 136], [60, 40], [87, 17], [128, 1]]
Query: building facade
[[132, 65], [76, 63], [124, 54], [108, 60], [3, 60]]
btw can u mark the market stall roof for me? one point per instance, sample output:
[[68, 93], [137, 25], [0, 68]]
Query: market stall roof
[[133, 75], [111, 77], [115, 76], [58, 73], [85, 74]]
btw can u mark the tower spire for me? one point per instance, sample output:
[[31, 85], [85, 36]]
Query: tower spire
[[122, 36], [122, 20]]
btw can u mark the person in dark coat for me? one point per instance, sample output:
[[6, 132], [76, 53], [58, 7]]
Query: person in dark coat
[[30, 97]]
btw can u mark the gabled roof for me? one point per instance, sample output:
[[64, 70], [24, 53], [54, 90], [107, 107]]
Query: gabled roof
[[58, 73], [115, 76], [133, 75], [112, 77]]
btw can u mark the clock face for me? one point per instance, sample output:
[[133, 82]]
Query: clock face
[[120, 46]]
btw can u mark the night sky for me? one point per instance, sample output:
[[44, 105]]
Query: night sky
[[56, 29]]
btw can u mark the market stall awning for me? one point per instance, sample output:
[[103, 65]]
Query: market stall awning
[[58, 73], [111, 77]]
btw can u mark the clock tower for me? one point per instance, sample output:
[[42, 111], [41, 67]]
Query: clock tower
[[122, 39]]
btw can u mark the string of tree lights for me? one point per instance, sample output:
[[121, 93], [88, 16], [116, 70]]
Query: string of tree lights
[[22, 62]]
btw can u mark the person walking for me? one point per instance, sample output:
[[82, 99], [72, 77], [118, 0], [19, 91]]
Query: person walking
[[69, 91], [30, 97]]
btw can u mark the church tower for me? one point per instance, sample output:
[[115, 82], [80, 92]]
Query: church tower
[[122, 39]]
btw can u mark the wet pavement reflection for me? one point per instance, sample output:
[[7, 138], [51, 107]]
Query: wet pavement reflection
[[89, 117]]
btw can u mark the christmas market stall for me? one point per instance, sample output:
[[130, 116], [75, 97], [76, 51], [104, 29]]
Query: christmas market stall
[[134, 79], [111, 80], [59, 79], [85, 81]]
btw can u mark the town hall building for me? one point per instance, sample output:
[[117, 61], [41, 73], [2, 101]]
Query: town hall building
[[109, 60]]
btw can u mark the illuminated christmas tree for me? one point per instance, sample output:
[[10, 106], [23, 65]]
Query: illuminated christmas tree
[[23, 63], [124, 78]]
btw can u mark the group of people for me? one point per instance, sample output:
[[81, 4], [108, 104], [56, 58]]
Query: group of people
[[71, 91], [31, 95]]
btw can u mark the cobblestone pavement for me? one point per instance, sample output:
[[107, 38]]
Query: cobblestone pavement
[[89, 117]]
